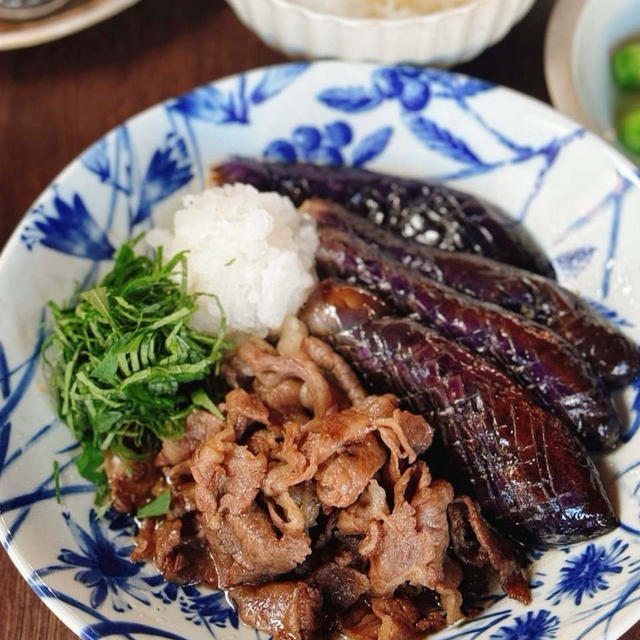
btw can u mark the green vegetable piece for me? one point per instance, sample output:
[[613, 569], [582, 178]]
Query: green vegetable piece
[[90, 464], [107, 369], [56, 480], [103, 422], [629, 131], [97, 298], [125, 364], [201, 399], [626, 66], [157, 507]]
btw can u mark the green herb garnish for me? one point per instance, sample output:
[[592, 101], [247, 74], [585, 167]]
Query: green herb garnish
[[157, 507], [125, 366], [56, 480]]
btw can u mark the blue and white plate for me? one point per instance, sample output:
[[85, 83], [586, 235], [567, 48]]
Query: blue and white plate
[[578, 197]]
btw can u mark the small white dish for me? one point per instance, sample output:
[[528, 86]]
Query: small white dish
[[78, 15], [581, 37], [442, 38]]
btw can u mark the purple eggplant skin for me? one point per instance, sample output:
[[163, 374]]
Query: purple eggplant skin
[[536, 357], [527, 470], [430, 213], [613, 357]]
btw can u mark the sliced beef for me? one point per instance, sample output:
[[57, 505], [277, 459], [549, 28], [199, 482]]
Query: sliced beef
[[286, 610], [177, 549], [247, 547], [309, 503], [199, 426], [475, 542], [324, 356], [305, 450], [271, 369], [228, 475], [341, 586], [345, 476], [130, 482], [410, 544], [370, 509], [398, 618], [243, 409]]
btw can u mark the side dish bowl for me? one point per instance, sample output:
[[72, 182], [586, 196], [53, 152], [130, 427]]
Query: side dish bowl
[[443, 38], [574, 193], [581, 37]]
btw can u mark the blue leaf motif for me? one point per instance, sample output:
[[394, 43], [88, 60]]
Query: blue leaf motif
[[276, 79], [210, 608], [573, 262], [440, 139], [371, 146], [461, 87], [387, 81], [541, 625], [206, 103], [608, 313], [635, 407], [70, 230], [96, 159], [472, 86], [168, 171], [350, 99]]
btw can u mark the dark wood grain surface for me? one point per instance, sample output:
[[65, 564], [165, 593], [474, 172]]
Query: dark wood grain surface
[[57, 98]]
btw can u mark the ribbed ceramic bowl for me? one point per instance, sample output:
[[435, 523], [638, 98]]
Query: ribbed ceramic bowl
[[442, 38]]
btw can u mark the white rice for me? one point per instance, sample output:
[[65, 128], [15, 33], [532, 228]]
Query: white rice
[[253, 250], [378, 8]]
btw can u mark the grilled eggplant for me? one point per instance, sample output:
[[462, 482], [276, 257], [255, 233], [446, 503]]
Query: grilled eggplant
[[612, 356], [430, 213], [528, 471], [533, 354]]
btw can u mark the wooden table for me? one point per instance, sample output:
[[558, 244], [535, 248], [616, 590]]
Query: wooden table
[[57, 98]]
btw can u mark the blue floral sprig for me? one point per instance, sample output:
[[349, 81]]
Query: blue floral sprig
[[539, 625], [214, 105], [586, 573], [69, 228], [102, 562], [169, 169]]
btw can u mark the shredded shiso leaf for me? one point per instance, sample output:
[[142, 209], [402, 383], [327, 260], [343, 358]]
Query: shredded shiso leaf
[[157, 507], [56, 480], [125, 366]]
